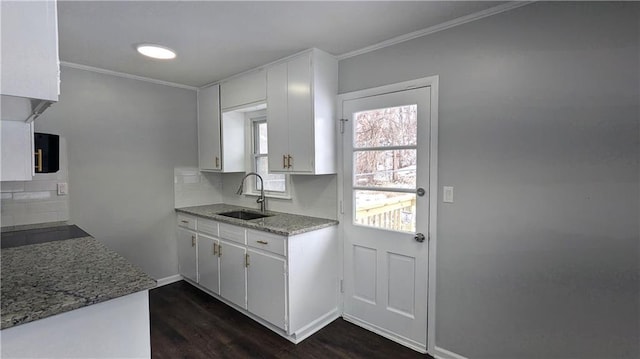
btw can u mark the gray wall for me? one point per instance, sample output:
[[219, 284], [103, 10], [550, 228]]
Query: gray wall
[[539, 255], [124, 138]]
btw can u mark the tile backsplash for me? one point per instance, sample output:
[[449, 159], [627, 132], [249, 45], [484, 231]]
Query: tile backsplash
[[194, 188], [36, 201]]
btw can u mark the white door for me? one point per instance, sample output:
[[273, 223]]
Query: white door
[[209, 148], [187, 254], [386, 213], [266, 287], [208, 270], [233, 273]]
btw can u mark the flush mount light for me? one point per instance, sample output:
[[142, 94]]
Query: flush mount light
[[156, 51]]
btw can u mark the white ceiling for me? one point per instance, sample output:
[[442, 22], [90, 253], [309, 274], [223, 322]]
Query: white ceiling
[[215, 40]]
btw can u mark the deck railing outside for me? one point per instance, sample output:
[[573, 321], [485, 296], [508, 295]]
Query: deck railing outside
[[396, 213]]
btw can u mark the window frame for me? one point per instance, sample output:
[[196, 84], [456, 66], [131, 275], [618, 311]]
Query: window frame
[[254, 119]]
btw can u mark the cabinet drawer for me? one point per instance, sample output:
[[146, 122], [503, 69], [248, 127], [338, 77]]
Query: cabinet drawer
[[267, 241], [232, 233], [208, 226], [187, 222]]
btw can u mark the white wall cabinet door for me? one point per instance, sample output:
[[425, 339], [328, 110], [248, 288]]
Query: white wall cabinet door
[[29, 42], [277, 117], [266, 287], [301, 121], [233, 274], [301, 95], [208, 263], [209, 144], [244, 89], [17, 151], [187, 265]]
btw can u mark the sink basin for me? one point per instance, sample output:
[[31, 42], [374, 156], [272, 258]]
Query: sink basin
[[246, 215]]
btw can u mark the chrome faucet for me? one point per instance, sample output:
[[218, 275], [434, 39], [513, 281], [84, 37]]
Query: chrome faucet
[[262, 200]]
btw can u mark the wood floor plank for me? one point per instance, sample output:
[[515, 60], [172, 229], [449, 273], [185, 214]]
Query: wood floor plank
[[188, 323]]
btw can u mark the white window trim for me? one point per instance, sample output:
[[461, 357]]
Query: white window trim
[[250, 118]]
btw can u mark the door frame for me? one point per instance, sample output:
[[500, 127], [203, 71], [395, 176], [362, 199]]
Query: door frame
[[431, 81]]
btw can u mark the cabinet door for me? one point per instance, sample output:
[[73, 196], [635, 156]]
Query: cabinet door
[[233, 278], [17, 150], [187, 254], [209, 154], [299, 105], [29, 49], [242, 90], [266, 289], [208, 271], [277, 117]]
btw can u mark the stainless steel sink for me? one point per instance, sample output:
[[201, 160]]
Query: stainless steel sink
[[245, 215]]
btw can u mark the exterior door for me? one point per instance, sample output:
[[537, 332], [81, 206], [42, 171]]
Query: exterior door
[[386, 213]]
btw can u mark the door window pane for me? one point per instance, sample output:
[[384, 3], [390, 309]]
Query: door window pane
[[386, 210], [390, 169], [393, 126]]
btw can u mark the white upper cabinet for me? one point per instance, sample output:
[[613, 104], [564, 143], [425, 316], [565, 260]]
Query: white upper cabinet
[[209, 144], [30, 66], [17, 151], [243, 89], [220, 136], [301, 107]]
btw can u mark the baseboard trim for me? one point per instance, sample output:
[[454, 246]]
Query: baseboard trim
[[168, 280], [440, 353], [409, 343], [324, 320]]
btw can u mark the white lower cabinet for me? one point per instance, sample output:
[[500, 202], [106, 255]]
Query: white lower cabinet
[[187, 254], [266, 287], [289, 284], [208, 263], [233, 273]]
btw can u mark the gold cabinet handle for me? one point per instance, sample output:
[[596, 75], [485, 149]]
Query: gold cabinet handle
[[289, 158], [219, 250], [246, 259], [193, 241], [284, 161], [217, 161], [183, 221], [38, 155], [263, 242], [215, 249]]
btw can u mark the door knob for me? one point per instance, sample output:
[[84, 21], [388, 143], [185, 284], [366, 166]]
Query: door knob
[[419, 237]]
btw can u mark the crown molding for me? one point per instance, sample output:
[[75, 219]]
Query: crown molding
[[125, 75], [436, 28]]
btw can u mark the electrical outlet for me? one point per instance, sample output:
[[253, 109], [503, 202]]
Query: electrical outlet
[[63, 189], [447, 194]]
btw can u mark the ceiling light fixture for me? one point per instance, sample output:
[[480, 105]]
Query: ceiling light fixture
[[156, 51]]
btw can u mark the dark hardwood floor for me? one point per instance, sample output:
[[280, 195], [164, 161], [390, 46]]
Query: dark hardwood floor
[[187, 323]]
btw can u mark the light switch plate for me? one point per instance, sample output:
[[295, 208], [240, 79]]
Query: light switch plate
[[447, 194], [63, 189]]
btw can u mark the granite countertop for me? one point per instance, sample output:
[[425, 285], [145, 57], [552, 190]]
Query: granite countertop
[[41, 280], [285, 224]]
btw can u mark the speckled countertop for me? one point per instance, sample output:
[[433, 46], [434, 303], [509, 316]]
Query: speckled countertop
[[42, 280], [285, 224]]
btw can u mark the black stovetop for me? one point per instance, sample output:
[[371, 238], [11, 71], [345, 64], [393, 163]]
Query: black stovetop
[[40, 235]]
